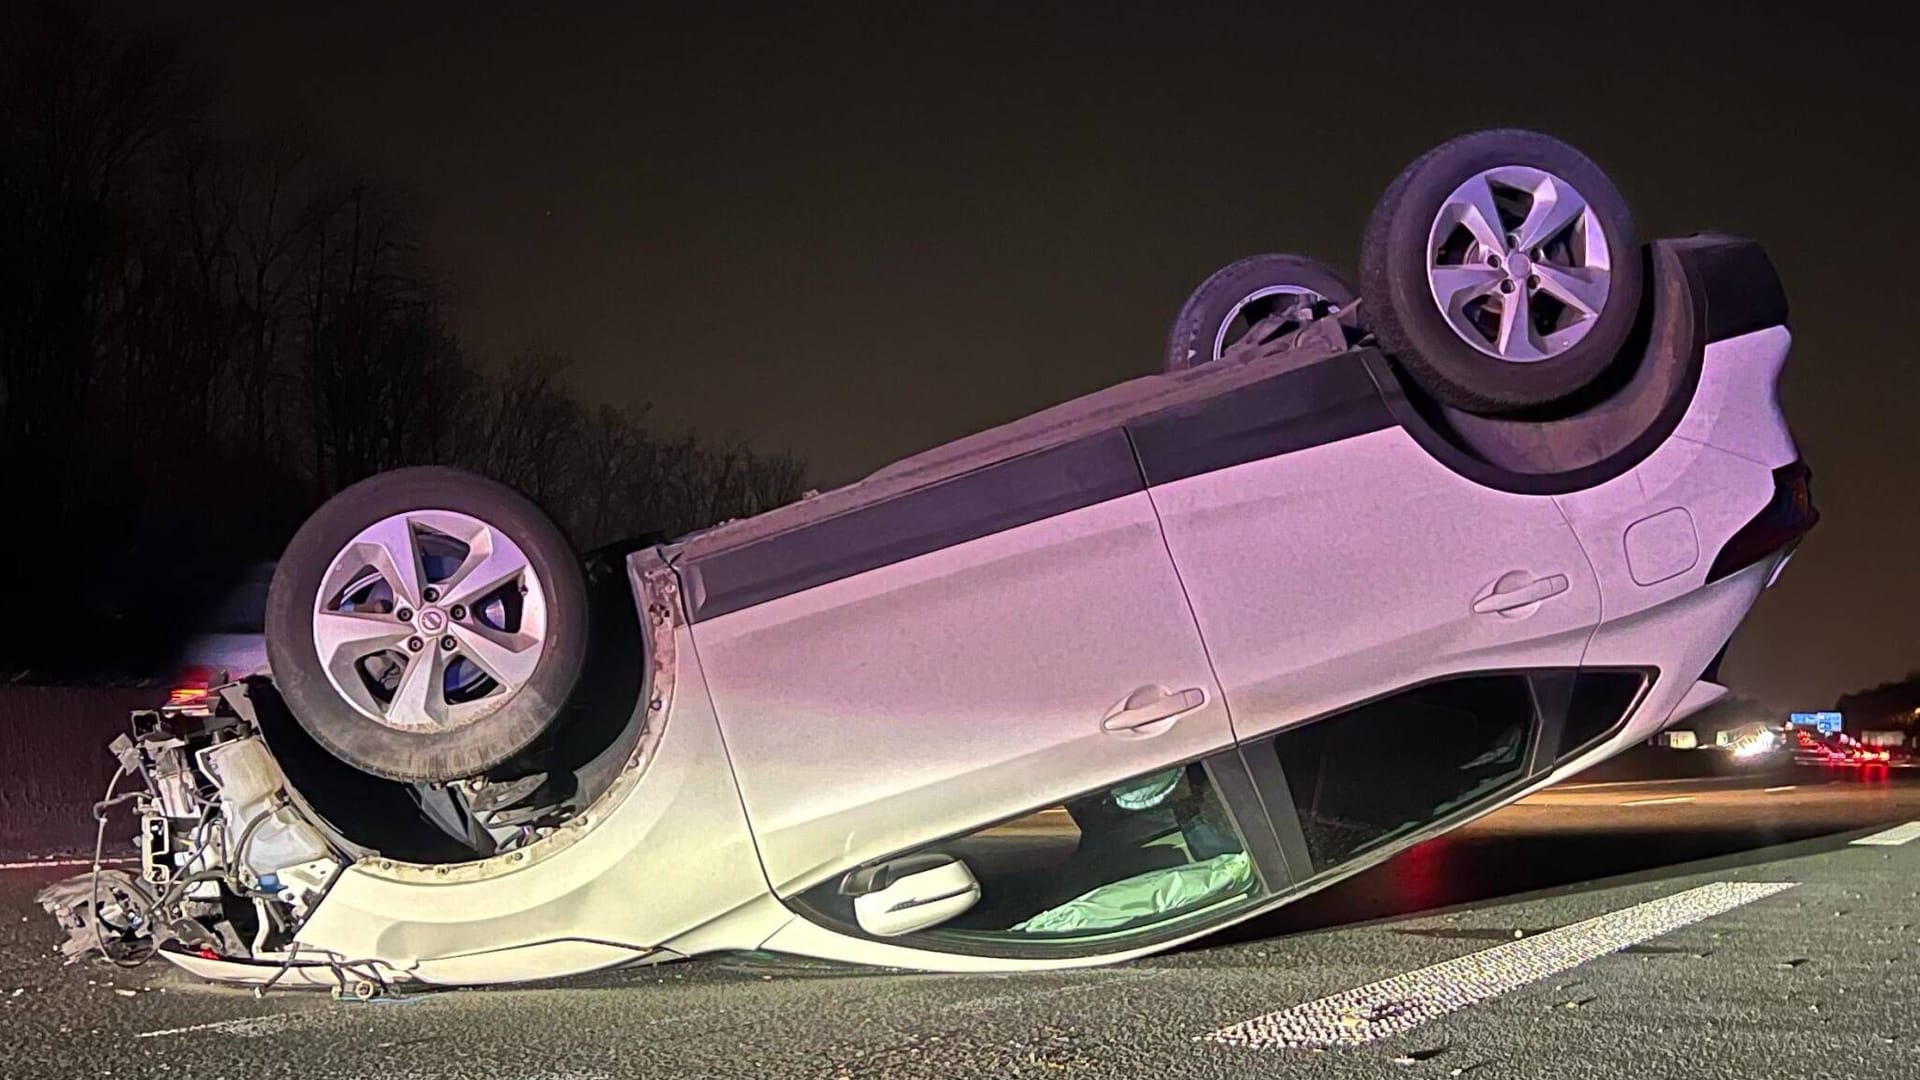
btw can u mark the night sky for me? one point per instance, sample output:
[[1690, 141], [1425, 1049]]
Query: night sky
[[860, 234]]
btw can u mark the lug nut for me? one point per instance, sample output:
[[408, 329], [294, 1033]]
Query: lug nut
[[1513, 240], [414, 644], [1493, 261], [1507, 285], [1533, 281], [405, 614], [448, 643], [460, 612], [432, 594]]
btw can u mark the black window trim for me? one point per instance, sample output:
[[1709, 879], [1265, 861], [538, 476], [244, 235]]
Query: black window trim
[[1225, 768], [1286, 823], [1251, 786]]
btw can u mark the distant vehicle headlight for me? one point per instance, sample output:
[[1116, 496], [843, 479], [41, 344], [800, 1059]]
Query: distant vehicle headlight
[[1754, 745]]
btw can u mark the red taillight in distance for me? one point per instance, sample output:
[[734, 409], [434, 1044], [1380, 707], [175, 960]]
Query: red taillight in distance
[[193, 690]]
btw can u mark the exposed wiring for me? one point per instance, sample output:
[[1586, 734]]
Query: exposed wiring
[[370, 975], [286, 965], [362, 971], [343, 970], [237, 861], [94, 914], [213, 854]]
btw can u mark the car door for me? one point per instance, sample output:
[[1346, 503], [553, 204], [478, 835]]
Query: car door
[[959, 655], [1330, 560]]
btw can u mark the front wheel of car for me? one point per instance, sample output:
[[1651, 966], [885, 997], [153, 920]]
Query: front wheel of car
[[427, 624], [1502, 272]]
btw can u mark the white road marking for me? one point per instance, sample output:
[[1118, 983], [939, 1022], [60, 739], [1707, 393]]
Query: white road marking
[[1894, 837], [1406, 1001], [1659, 802], [1597, 785], [1781, 788], [252, 1027]]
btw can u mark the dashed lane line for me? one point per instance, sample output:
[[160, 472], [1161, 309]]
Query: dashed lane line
[[1404, 1002], [1894, 837], [251, 1027]]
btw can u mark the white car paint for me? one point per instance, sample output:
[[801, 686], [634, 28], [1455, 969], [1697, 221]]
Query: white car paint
[[1349, 570], [760, 776], [1064, 619]]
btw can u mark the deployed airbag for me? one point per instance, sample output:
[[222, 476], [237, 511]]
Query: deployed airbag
[[1154, 893]]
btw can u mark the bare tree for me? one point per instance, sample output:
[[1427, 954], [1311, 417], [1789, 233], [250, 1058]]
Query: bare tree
[[270, 251], [82, 114], [182, 314], [383, 376]]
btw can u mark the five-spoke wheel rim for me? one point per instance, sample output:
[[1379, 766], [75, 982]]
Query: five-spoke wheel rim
[[1518, 264], [428, 621]]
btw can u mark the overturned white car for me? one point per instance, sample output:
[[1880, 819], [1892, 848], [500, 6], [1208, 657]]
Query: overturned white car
[[1361, 566]]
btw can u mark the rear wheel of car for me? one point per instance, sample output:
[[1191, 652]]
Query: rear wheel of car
[[1502, 271], [1287, 289], [427, 624]]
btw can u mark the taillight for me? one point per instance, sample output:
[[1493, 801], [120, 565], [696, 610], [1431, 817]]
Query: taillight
[[194, 689], [1787, 517]]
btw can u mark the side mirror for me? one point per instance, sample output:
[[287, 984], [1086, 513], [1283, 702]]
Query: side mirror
[[910, 894]]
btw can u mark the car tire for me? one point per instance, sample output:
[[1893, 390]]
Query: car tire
[[443, 670], [1243, 293], [1540, 301]]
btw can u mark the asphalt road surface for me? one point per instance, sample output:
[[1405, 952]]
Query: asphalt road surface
[[1729, 927]]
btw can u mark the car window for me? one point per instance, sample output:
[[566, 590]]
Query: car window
[[1367, 777], [1136, 856]]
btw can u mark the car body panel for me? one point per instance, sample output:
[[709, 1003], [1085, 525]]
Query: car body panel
[[1715, 610], [663, 855], [1736, 407], [1679, 637], [1339, 573], [1717, 491], [897, 705]]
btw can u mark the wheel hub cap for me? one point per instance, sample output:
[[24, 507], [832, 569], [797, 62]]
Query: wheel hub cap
[[1518, 264], [407, 662]]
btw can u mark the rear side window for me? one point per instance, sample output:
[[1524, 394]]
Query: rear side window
[[1600, 704], [1366, 777]]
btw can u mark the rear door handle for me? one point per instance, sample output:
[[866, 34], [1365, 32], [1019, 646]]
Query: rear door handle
[[1505, 595], [1152, 705]]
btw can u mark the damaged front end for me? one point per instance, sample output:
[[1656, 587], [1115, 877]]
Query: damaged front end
[[245, 825], [233, 859], [229, 865]]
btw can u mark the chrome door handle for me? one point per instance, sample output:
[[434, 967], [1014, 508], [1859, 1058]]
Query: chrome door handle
[[1497, 599], [1151, 705]]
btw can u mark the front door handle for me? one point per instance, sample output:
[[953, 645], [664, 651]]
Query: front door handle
[[1152, 705], [1518, 590]]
